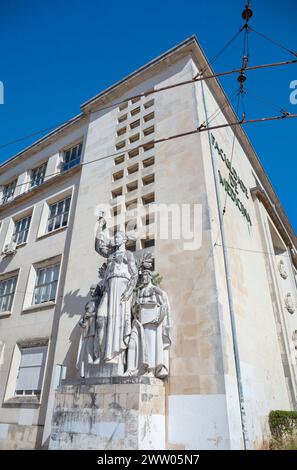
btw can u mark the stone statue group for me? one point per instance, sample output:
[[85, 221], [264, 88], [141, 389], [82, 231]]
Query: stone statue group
[[126, 323]]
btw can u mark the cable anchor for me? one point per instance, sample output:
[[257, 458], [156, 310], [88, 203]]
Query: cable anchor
[[247, 14]]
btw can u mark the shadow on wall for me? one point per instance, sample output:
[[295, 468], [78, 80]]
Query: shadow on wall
[[4, 262], [73, 306]]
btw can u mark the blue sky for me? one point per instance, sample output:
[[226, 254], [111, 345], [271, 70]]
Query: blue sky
[[56, 55]]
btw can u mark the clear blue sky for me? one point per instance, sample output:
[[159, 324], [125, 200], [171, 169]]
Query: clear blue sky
[[57, 54]]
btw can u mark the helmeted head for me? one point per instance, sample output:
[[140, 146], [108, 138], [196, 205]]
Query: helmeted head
[[93, 289], [146, 276], [119, 238]]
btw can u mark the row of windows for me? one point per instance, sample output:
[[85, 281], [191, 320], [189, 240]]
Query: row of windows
[[45, 287], [58, 214], [71, 158]]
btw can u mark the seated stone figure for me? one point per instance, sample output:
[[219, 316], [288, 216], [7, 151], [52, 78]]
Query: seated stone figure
[[150, 336]]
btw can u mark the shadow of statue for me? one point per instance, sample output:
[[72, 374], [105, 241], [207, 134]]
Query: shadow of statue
[[73, 306]]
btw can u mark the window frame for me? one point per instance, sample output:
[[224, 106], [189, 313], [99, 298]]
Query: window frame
[[24, 231], [58, 214], [72, 162], [38, 176], [5, 189], [10, 294], [46, 284]]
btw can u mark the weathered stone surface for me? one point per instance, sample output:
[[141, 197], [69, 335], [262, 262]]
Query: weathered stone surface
[[92, 415]]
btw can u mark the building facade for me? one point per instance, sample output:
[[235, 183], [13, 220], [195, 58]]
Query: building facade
[[231, 278]]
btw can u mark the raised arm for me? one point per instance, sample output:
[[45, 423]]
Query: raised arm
[[102, 244]]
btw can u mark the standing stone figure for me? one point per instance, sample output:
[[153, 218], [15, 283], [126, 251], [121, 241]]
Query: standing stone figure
[[88, 347], [119, 282], [148, 352]]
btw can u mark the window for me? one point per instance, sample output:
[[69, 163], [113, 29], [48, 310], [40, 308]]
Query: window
[[131, 204], [134, 138], [148, 104], [135, 124], [131, 245], [72, 157], [149, 179], [46, 284], [116, 210], [119, 175], [7, 289], [31, 371], [135, 111], [148, 146], [148, 130], [123, 106], [148, 243], [132, 186], [132, 169], [149, 219], [58, 214], [37, 175], [8, 191], [21, 230], [119, 160], [148, 162], [120, 145], [116, 192], [133, 153], [121, 131], [148, 199], [122, 118], [149, 116]]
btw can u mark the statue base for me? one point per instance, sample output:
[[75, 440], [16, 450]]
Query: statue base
[[110, 413]]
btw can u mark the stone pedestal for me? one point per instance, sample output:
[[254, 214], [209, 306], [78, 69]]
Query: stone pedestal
[[114, 413]]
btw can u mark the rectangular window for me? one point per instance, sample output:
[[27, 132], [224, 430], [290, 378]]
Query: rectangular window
[[134, 138], [121, 131], [123, 106], [58, 214], [8, 191], [135, 111], [37, 175], [131, 245], [21, 229], [148, 199], [133, 153], [148, 131], [46, 284], [31, 371], [122, 118], [120, 145], [7, 289], [149, 179], [135, 124], [132, 186], [148, 162], [148, 104], [148, 243], [72, 157], [116, 192], [119, 160], [118, 175], [132, 169], [148, 117]]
